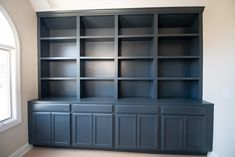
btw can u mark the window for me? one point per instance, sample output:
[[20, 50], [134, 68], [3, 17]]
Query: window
[[10, 96]]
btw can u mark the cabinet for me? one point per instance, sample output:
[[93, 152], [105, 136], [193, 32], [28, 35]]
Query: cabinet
[[137, 127], [92, 129], [183, 132], [50, 128]]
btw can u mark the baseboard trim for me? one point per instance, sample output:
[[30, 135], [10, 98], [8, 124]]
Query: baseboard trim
[[212, 154], [21, 151]]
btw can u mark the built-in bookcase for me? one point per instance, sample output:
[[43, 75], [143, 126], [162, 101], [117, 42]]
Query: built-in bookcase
[[179, 56], [130, 56]]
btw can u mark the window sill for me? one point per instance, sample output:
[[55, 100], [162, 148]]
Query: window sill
[[10, 123]]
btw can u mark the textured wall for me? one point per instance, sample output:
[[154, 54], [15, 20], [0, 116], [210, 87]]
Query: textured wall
[[24, 18], [219, 73]]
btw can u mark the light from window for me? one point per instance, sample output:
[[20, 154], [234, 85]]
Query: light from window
[[10, 95], [5, 85]]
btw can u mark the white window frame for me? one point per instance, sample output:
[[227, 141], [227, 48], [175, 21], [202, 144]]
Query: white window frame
[[16, 117]]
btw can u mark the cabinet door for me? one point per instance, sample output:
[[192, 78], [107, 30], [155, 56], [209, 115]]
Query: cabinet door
[[103, 130], [126, 131], [82, 129], [41, 128], [147, 132], [195, 133], [172, 133], [61, 128]]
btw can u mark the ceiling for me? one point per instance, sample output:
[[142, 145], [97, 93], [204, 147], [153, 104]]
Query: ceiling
[[54, 5]]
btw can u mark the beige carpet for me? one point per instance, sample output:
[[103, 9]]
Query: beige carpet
[[52, 152]]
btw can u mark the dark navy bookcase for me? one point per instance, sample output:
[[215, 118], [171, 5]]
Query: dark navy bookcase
[[121, 79]]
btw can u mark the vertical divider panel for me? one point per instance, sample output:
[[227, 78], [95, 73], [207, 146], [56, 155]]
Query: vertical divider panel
[[78, 58], [155, 55], [200, 57], [39, 56], [116, 56]]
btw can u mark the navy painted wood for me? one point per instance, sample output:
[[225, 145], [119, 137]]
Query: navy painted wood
[[172, 131], [126, 131], [183, 133], [195, 133], [41, 128], [147, 132], [82, 129], [61, 129], [112, 71], [103, 130]]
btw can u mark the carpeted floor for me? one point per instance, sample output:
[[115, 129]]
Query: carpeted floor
[[53, 152]]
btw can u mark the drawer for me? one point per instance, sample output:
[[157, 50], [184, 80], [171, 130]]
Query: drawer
[[88, 108], [183, 110], [51, 107], [137, 109]]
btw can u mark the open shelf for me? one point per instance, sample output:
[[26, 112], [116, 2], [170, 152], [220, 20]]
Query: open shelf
[[97, 68], [58, 27], [135, 88], [97, 25], [178, 23], [57, 58], [135, 68], [96, 88], [139, 24], [135, 47], [168, 89], [65, 68], [178, 68], [58, 88], [178, 46], [97, 47], [59, 48], [121, 56]]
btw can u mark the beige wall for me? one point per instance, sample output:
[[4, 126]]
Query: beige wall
[[218, 75], [24, 19], [219, 72]]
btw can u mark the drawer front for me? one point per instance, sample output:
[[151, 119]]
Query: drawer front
[[137, 109], [88, 108], [183, 110], [51, 107]]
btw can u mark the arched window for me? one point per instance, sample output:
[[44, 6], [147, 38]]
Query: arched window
[[10, 90]]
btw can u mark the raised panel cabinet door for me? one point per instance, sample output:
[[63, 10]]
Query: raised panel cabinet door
[[103, 130], [126, 131], [82, 129], [195, 133], [61, 129], [147, 132], [172, 132], [42, 128]]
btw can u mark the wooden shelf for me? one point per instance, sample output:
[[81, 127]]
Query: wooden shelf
[[141, 36], [178, 78], [59, 38], [135, 57], [96, 78], [178, 57], [96, 37], [179, 35], [97, 58], [57, 58], [136, 78], [58, 78]]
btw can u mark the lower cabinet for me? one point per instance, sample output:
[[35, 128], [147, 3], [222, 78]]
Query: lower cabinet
[[51, 128], [92, 129], [136, 132], [183, 133], [173, 129]]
